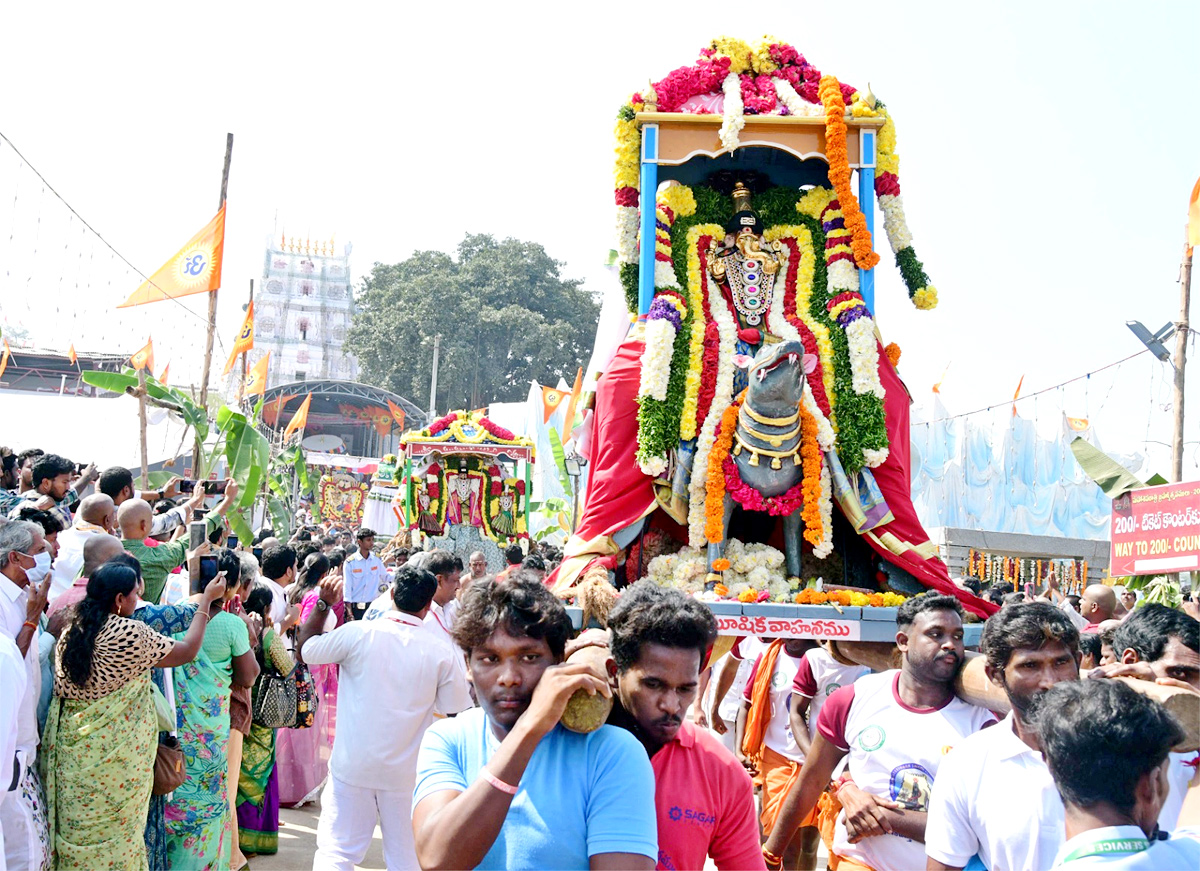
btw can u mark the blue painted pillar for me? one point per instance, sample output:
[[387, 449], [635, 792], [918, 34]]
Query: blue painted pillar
[[649, 188], [866, 200]]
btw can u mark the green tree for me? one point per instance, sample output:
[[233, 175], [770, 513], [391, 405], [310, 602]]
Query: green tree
[[505, 315]]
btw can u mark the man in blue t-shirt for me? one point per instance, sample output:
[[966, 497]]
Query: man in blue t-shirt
[[504, 785]]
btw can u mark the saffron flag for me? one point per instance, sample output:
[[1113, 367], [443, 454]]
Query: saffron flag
[[195, 268], [162, 379], [299, 419], [1017, 393], [144, 359], [551, 400], [4, 358], [71, 354], [569, 423], [256, 380], [1194, 217], [271, 410], [245, 339], [397, 414]]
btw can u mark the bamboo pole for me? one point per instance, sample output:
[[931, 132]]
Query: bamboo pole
[[1180, 361], [142, 427], [198, 470]]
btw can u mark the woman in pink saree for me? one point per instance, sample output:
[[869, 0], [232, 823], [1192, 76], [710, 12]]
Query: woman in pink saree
[[302, 755]]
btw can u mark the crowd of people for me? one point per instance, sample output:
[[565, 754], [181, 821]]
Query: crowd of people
[[167, 690]]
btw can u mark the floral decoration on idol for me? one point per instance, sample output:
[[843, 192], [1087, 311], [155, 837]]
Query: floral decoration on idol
[[733, 78], [752, 573]]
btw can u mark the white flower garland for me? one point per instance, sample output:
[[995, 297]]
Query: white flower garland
[[722, 397], [894, 223], [664, 276], [656, 359], [864, 357], [825, 548], [796, 104], [732, 118], [628, 226]]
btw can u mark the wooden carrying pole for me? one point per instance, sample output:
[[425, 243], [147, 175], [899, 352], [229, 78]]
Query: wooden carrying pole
[[198, 453], [972, 685]]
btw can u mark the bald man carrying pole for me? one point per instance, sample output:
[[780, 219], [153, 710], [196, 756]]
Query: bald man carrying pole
[[135, 518]]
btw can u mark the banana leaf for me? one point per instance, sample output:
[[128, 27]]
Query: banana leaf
[[560, 459], [117, 382], [281, 518], [1110, 476], [239, 527], [247, 452]]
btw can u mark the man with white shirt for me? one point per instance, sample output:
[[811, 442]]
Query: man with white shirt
[[13, 678], [278, 570], [995, 797], [365, 574], [1107, 749], [893, 728], [95, 516], [24, 587], [817, 677], [444, 566], [393, 677]]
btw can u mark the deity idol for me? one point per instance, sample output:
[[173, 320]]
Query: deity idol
[[464, 506]]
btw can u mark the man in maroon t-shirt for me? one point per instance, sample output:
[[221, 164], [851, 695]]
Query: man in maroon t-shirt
[[704, 800]]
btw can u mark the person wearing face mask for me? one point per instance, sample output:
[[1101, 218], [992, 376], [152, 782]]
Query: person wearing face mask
[[24, 587]]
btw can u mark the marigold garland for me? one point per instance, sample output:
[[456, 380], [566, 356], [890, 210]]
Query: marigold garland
[[810, 455], [893, 354], [714, 486], [830, 92]]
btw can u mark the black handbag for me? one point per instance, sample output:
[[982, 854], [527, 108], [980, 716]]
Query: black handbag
[[305, 690]]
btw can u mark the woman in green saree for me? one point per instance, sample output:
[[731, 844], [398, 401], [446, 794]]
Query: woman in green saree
[[101, 733], [199, 818], [258, 783]]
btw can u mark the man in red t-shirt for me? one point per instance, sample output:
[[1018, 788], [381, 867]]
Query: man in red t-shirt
[[704, 801]]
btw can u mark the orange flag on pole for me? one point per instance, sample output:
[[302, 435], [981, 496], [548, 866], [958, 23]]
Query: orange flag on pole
[[299, 419], [162, 379], [569, 423], [245, 339], [4, 358], [1194, 217], [71, 354], [551, 400], [256, 379], [1017, 393], [195, 268], [144, 359], [397, 414]]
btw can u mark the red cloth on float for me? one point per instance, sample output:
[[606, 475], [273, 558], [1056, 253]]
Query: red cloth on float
[[619, 494]]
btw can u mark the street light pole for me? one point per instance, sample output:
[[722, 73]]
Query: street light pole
[[1181, 336]]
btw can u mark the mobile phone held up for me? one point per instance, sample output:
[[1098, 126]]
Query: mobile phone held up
[[231, 541], [208, 571], [211, 488]]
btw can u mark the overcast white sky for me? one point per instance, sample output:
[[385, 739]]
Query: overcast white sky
[[1047, 152]]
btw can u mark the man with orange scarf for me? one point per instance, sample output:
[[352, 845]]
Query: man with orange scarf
[[769, 748]]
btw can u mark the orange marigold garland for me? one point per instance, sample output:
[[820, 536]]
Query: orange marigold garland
[[830, 92], [714, 484], [810, 454]]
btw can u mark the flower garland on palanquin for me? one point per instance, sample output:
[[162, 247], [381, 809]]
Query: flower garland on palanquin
[[734, 78]]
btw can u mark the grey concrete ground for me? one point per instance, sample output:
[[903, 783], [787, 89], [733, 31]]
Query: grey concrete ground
[[298, 842]]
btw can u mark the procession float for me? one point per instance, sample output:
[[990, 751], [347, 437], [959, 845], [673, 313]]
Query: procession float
[[464, 483], [750, 434]]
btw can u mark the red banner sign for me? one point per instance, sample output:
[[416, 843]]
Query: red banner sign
[[1156, 529], [798, 627]]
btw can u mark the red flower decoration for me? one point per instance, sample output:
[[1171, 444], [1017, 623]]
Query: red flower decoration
[[746, 496], [441, 423]]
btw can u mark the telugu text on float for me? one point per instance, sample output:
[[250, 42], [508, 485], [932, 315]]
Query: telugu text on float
[[1156, 529]]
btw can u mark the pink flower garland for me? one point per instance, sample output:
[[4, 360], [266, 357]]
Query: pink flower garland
[[442, 422], [746, 496]]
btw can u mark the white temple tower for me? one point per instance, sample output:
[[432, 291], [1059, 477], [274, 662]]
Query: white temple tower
[[302, 312]]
